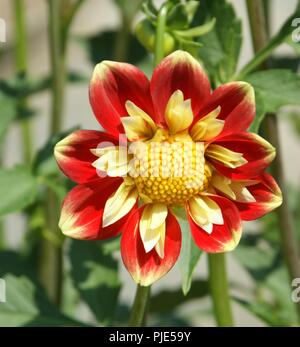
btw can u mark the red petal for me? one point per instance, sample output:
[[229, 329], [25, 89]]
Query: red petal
[[81, 216], [111, 86], [224, 237], [180, 71], [147, 268], [74, 157], [258, 152], [237, 103], [267, 195]]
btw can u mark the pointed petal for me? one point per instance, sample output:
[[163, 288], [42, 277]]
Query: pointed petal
[[147, 268], [178, 71], [208, 127], [179, 114], [136, 128], [152, 224], [111, 86], [237, 102], [258, 152], [205, 211], [119, 204], [223, 238], [74, 157], [113, 161], [267, 197], [82, 211], [225, 156]]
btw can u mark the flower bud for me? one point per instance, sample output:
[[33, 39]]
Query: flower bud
[[145, 32]]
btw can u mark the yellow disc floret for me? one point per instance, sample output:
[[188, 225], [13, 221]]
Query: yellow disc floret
[[168, 171]]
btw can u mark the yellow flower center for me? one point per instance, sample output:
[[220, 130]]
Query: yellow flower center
[[169, 171]]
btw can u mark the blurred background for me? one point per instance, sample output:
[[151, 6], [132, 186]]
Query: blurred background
[[87, 46]]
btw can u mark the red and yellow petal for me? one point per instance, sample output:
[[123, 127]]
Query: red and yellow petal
[[147, 268], [223, 238], [111, 86], [178, 71], [237, 102], [82, 211], [267, 197], [258, 152], [74, 157]]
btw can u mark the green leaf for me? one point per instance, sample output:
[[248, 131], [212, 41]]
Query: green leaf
[[18, 189], [182, 14], [276, 88], [95, 276], [189, 256], [221, 46], [167, 301], [260, 112], [7, 113], [101, 47], [149, 10], [21, 86], [27, 305], [274, 305], [196, 31]]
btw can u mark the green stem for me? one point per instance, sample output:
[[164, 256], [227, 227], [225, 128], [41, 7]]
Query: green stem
[[140, 306], [2, 235], [57, 54], [51, 264], [265, 50], [285, 219], [67, 22], [51, 256], [160, 31], [21, 67], [219, 289]]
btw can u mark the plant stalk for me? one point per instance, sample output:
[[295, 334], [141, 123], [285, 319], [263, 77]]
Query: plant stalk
[[285, 220], [140, 306], [51, 257], [219, 289], [57, 55], [21, 68]]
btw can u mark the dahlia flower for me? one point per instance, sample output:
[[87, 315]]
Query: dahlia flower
[[170, 144]]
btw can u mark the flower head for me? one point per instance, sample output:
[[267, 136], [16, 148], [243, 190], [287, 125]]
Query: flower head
[[169, 143]]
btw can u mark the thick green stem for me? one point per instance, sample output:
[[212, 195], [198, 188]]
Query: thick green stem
[[51, 265], [2, 235], [219, 289], [160, 31], [285, 219], [21, 67], [57, 54], [140, 306], [51, 258]]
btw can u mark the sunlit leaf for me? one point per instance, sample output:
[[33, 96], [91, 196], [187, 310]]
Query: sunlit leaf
[[95, 276], [18, 189]]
